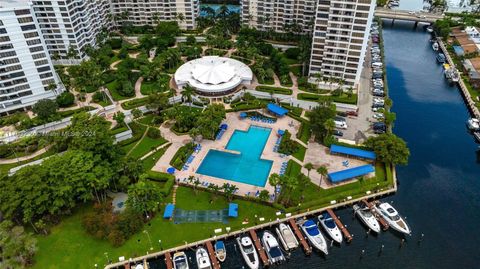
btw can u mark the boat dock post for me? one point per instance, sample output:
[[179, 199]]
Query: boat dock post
[[127, 265], [258, 245], [168, 260], [211, 253], [380, 219], [346, 234], [145, 264], [301, 238]]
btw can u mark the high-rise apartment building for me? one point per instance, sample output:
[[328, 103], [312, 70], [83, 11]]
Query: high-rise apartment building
[[340, 38], [26, 71], [68, 26], [149, 12], [279, 15]]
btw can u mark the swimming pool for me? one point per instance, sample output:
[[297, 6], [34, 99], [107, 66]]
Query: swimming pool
[[246, 167]]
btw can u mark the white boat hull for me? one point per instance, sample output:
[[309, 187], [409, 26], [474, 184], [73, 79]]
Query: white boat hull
[[370, 221], [272, 248], [252, 263], [399, 225], [317, 242], [286, 237], [203, 261], [334, 232]]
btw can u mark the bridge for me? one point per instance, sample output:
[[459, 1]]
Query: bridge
[[405, 15]]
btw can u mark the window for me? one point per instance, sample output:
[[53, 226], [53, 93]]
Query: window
[[30, 35], [3, 31], [43, 69], [46, 75], [4, 38], [33, 42], [22, 12], [35, 49], [38, 56], [41, 62], [6, 46], [28, 27], [25, 20], [7, 54]]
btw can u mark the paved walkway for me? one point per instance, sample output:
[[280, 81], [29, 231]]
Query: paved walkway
[[138, 88], [177, 141], [26, 158]]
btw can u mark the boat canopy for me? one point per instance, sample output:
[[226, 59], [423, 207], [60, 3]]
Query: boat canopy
[[343, 175], [219, 245], [365, 154], [311, 228]]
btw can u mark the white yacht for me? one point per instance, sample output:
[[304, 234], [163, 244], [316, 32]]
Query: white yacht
[[203, 261], [272, 248], [180, 261], [248, 252], [315, 236], [330, 227], [139, 266], [435, 46], [430, 29], [473, 124], [393, 218], [286, 236], [366, 216]]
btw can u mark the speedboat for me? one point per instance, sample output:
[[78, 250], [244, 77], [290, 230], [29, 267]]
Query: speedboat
[[473, 124], [180, 261], [455, 77], [430, 29], [220, 251], [286, 236], [440, 58], [435, 46], [393, 218], [366, 216], [315, 236], [272, 248], [248, 252], [203, 261], [138, 266], [330, 226]]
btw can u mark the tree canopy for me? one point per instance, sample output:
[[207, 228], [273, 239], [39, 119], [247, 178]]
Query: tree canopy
[[389, 148], [319, 117], [17, 247], [45, 109], [208, 122]]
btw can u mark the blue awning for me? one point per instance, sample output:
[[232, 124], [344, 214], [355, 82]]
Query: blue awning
[[277, 110], [243, 115], [170, 170], [335, 149], [343, 175], [232, 210], [168, 211]]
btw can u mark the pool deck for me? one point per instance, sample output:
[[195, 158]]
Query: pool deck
[[234, 123]]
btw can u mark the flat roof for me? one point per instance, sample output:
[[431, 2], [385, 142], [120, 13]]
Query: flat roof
[[343, 175], [353, 152]]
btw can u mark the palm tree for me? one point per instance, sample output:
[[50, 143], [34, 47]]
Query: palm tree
[[329, 126], [322, 170], [308, 166], [196, 182], [187, 93]]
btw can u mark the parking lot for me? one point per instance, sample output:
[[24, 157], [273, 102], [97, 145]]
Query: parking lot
[[360, 127]]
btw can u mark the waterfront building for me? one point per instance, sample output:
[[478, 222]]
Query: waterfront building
[[150, 12], [340, 39], [26, 71], [279, 15], [69, 26]]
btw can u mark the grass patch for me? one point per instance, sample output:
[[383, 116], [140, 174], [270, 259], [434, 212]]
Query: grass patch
[[304, 132], [4, 168], [74, 248], [112, 88], [182, 155], [274, 90], [146, 145], [135, 103], [150, 161], [293, 168], [300, 153]]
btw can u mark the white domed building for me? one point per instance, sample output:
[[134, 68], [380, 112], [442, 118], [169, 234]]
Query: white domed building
[[213, 75]]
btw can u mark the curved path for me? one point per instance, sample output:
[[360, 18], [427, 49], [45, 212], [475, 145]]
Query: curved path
[[26, 158]]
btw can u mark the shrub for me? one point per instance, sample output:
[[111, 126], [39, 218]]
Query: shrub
[[153, 133], [65, 99], [292, 53], [115, 43], [287, 145], [182, 155]]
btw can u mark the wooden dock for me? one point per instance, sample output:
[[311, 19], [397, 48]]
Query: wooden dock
[[301, 238], [213, 257], [127, 265], [380, 219], [168, 260], [346, 234], [258, 245]]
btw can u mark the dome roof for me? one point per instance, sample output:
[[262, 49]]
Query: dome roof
[[213, 72]]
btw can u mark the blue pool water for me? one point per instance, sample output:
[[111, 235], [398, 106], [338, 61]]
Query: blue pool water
[[246, 167]]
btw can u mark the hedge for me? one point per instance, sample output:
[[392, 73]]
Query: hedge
[[304, 132], [339, 99], [278, 90], [182, 155], [162, 177], [135, 103]]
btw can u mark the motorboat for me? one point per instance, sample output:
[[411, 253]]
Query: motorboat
[[329, 225], [473, 124], [272, 248], [248, 252], [203, 261], [138, 266], [314, 236], [180, 261], [435, 46], [220, 251], [455, 77], [430, 29], [286, 236], [393, 218], [440, 58], [366, 216]]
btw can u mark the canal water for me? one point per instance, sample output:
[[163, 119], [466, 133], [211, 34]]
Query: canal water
[[439, 190]]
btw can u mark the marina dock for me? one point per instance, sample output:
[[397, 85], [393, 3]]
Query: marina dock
[[211, 254], [346, 234], [301, 238], [168, 260], [127, 265], [380, 219], [258, 246]]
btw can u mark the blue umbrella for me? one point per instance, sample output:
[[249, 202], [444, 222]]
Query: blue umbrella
[[281, 132], [171, 170]]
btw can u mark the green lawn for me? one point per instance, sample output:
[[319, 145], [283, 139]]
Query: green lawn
[[278, 90], [344, 98], [300, 153], [151, 160], [68, 246], [146, 145]]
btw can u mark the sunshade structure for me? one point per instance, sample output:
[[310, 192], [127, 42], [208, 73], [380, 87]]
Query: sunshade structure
[[281, 132], [224, 126], [213, 75], [168, 214], [232, 210], [277, 110], [171, 170], [352, 152], [243, 115], [350, 173]]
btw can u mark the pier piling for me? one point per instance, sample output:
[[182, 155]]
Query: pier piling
[[301, 239], [261, 251]]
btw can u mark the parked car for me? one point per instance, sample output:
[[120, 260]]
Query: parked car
[[376, 105], [378, 94], [338, 118], [341, 124], [376, 75], [378, 116], [337, 133], [352, 113], [379, 126]]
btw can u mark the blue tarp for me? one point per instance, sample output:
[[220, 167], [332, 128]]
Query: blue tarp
[[232, 210], [243, 115], [343, 175], [335, 149], [168, 211], [171, 170], [277, 110], [458, 50]]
